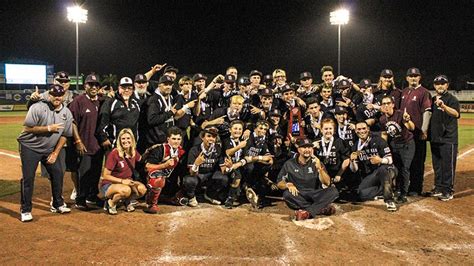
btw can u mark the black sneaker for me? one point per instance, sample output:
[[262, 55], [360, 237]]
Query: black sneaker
[[446, 196], [402, 199], [433, 193], [81, 206], [229, 203]]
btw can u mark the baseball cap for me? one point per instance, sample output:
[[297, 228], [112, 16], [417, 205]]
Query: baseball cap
[[140, 78], [62, 76], [211, 130], [229, 78], [199, 76], [306, 75], [267, 77], [386, 73], [340, 110], [304, 142], [92, 78], [255, 73], [365, 83], [266, 92], [126, 81], [165, 79], [274, 112], [56, 90], [286, 88], [343, 83], [171, 69], [243, 81], [441, 79], [413, 72]]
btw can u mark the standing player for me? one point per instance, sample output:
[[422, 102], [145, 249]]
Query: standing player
[[444, 138], [46, 127], [417, 101], [160, 161]]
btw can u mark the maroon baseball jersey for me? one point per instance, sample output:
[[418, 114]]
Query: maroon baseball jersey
[[416, 101]]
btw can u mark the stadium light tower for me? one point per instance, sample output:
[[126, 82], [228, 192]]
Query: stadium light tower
[[77, 15], [339, 17]]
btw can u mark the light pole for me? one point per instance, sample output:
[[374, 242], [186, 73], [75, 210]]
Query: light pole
[[339, 17], [77, 15]]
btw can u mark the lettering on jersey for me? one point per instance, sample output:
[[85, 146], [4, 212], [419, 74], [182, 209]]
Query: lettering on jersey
[[253, 151], [310, 170], [365, 154], [122, 164]]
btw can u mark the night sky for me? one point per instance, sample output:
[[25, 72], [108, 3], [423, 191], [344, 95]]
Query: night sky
[[127, 37]]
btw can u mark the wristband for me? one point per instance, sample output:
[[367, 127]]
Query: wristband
[[384, 161], [260, 157], [121, 181], [49, 128], [195, 168], [243, 162]]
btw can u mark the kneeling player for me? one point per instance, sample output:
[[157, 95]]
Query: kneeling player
[[372, 160], [160, 161]]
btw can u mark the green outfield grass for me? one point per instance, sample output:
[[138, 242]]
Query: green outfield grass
[[8, 187], [13, 113]]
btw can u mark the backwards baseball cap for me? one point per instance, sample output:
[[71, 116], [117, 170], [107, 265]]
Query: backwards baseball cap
[[211, 130], [199, 76], [268, 78], [441, 79], [56, 90], [386, 73], [274, 112], [92, 78], [140, 78], [165, 79], [413, 72], [126, 81], [243, 81], [255, 73], [365, 83], [304, 142], [286, 88], [343, 84], [62, 76], [340, 110], [229, 79], [266, 92], [306, 75], [171, 69]]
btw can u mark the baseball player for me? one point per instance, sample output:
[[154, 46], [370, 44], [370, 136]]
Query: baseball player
[[160, 161]]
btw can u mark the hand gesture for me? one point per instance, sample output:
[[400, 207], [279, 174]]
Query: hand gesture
[[406, 116], [191, 104], [54, 128], [243, 143], [337, 179], [35, 96], [200, 159], [173, 108], [157, 67], [354, 156], [439, 102], [246, 134], [255, 110]]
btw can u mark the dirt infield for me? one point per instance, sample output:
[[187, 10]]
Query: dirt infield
[[424, 231]]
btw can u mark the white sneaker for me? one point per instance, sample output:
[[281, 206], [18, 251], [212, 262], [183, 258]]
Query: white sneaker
[[193, 202], [26, 217], [73, 194], [211, 200], [60, 209], [391, 207]]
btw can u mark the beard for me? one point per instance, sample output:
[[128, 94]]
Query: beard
[[141, 91]]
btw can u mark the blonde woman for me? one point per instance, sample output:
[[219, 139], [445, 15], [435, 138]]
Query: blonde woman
[[117, 182]]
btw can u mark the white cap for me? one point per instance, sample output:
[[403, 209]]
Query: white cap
[[126, 81]]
